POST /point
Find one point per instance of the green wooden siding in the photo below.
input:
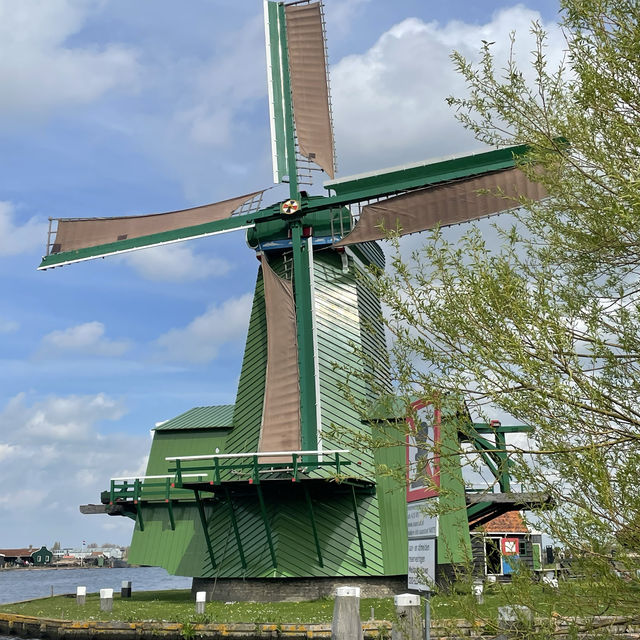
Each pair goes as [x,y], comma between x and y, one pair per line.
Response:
[393,511]
[345,309]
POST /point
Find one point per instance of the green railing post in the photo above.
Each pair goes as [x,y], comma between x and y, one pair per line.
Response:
[216,471]
[178,472]
[256,470]
[169,503]
[295,467]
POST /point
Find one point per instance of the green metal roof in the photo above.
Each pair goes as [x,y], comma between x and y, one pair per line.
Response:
[216,417]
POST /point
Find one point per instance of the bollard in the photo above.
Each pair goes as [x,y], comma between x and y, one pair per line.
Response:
[549,579]
[346,623]
[201,598]
[408,623]
[125,589]
[478,590]
[81,595]
[106,599]
[514,620]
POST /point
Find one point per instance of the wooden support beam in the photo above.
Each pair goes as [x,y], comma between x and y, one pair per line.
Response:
[267,527]
[357,519]
[205,527]
[307,496]
[236,530]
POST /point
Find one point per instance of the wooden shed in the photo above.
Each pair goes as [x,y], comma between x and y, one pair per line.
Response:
[503,543]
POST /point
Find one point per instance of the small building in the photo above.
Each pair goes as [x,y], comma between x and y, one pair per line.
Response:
[27,556]
[42,557]
[504,543]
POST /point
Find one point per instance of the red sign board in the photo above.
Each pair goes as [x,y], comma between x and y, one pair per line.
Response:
[423,463]
[510,546]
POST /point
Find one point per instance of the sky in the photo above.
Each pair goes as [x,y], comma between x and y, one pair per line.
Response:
[113,107]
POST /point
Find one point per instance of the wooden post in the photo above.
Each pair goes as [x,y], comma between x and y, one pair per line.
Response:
[346,623]
[81,595]
[408,623]
[125,589]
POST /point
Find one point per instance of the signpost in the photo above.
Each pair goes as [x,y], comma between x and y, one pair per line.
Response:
[423,475]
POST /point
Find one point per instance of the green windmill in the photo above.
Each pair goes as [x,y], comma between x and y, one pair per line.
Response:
[238,494]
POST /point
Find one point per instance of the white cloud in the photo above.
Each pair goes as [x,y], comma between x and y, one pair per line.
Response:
[54,458]
[175,263]
[389,103]
[223,85]
[40,70]
[6,450]
[201,339]
[84,339]
[55,419]
[19,237]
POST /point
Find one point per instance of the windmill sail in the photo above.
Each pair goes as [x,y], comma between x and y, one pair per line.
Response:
[82,233]
[280,428]
[297,73]
[443,205]
[309,84]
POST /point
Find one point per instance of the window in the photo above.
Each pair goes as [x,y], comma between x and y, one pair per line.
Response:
[525,549]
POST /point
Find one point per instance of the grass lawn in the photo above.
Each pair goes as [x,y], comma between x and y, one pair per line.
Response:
[573,598]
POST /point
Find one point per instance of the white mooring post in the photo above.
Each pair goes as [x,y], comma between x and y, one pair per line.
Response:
[106,599]
[408,623]
[81,595]
[201,598]
[346,624]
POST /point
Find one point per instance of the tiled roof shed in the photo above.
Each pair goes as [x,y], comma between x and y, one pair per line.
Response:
[510,522]
[214,417]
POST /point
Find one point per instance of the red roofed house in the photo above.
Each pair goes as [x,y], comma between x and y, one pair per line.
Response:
[503,542]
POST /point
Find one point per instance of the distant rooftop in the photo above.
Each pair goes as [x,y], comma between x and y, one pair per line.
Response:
[216,417]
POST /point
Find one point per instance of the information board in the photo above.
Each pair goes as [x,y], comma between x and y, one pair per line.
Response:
[422,564]
[419,523]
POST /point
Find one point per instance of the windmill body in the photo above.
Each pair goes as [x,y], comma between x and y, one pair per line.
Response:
[275,487]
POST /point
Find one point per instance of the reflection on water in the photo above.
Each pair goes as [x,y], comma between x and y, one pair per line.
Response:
[26,584]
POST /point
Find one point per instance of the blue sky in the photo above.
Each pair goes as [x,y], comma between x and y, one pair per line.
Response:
[113,107]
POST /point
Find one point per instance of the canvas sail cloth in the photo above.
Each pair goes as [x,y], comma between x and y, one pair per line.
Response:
[81,233]
[443,205]
[280,428]
[309,84]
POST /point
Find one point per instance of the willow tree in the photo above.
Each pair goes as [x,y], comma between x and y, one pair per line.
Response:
[545,326]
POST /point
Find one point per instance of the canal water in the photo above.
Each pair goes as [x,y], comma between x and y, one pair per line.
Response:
[26,584]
